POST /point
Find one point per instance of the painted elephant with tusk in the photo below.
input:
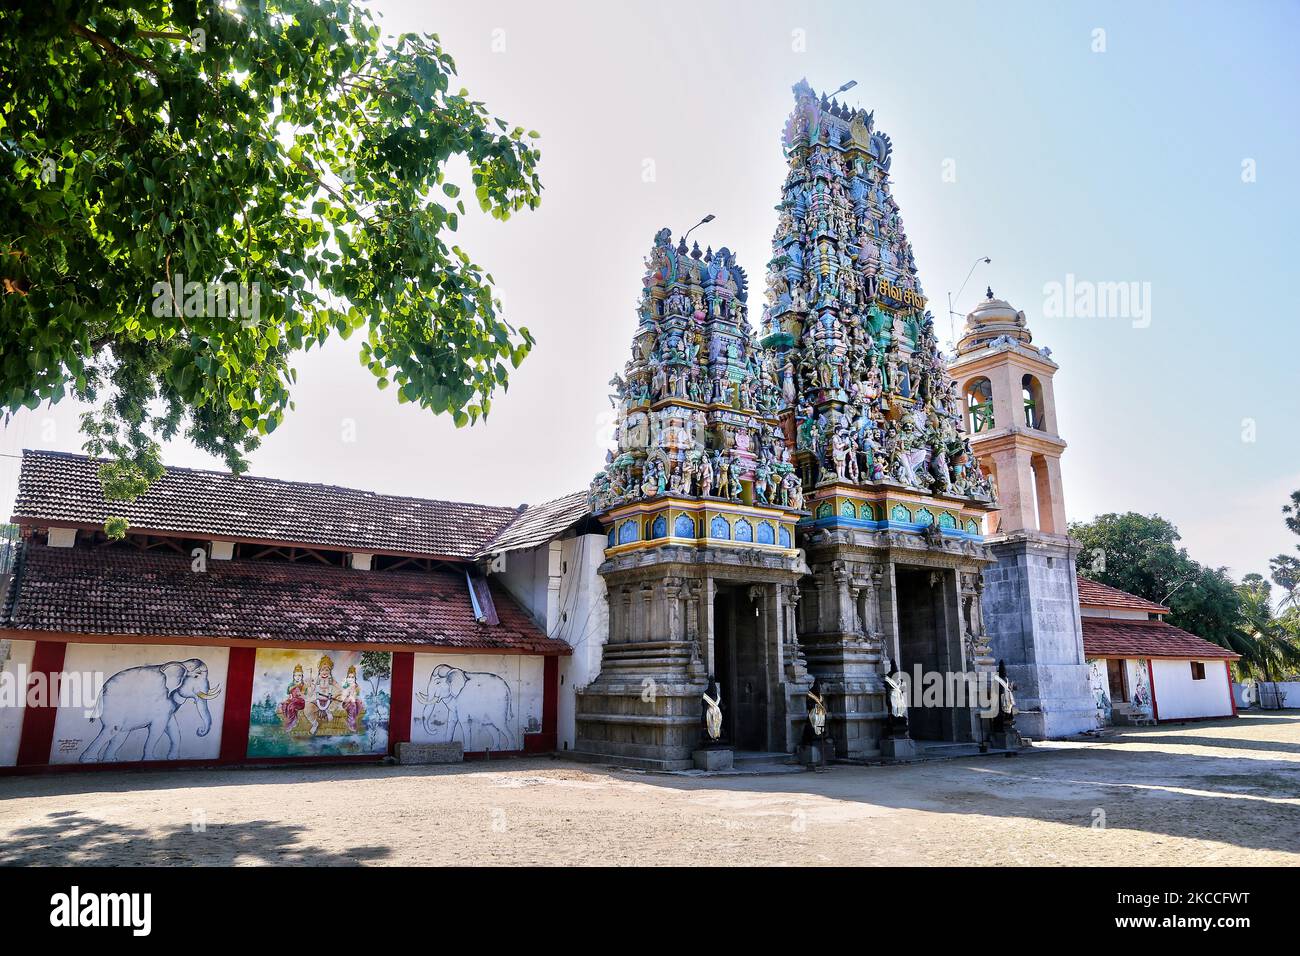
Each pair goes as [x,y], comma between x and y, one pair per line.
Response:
[147,698]
[470,706]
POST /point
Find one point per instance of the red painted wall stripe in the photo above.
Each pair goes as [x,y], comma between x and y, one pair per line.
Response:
[1151,673]
[38,722]
[399,701]
[239,702]
[548,739]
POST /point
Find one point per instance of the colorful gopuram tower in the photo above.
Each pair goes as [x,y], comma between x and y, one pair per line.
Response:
[896,498]
[801,507]
[701,500]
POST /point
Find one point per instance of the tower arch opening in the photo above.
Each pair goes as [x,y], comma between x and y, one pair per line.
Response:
[979,406]
[1032,392]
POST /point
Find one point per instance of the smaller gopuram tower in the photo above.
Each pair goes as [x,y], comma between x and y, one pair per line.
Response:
[1030,598]
[700,499]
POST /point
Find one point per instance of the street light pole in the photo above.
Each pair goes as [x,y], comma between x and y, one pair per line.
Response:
[1179,585]
[709,218]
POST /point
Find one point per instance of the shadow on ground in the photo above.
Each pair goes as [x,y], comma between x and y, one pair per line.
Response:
[69,838]
[1243,793]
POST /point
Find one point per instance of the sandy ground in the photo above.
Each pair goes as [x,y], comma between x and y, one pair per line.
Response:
[1224,792]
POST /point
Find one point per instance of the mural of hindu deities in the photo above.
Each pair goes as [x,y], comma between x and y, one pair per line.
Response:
[301,708]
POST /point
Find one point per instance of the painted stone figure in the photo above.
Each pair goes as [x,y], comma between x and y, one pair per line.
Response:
[711,387]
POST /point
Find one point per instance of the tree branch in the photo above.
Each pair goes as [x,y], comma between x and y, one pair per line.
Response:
[107,45]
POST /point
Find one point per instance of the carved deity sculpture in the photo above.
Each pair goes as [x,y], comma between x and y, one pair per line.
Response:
[713,711]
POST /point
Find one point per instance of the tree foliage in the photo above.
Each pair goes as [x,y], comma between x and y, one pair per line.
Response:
[1285,568]
[275,148]
[1139,554]
[1272,645]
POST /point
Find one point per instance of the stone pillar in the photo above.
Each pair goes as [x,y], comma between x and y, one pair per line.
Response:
[1031,613]
[710,589]
[1016,491]
[1055,494]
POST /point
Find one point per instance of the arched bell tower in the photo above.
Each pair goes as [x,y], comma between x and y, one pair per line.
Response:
[1006,388]
[1030,599]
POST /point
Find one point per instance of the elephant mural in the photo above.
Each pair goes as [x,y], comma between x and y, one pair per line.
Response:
[147,698]
[468,706]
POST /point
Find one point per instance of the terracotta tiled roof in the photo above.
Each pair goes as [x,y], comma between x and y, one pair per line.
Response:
[540,523]
[59,487]
[1095,594]
[124,591]
[1107,637]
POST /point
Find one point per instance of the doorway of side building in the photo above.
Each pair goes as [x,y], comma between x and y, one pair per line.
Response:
[740,664]
[927,638]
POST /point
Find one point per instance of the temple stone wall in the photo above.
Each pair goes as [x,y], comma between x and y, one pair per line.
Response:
[1031,612]
[645,707]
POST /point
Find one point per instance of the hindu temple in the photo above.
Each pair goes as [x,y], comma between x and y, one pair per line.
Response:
[796,504]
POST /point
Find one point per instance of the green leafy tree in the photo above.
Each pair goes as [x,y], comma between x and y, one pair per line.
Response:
[1139,554]
[195,193]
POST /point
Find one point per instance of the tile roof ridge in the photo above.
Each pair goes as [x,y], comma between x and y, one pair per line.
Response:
[41,452]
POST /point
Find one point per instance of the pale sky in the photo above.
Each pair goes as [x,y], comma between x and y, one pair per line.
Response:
[1122,164]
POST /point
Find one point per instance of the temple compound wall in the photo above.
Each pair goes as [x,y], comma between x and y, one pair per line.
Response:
[285,622]
[206,703]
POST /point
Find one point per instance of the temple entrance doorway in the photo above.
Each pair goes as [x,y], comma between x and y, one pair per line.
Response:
[926,639]
[740,665]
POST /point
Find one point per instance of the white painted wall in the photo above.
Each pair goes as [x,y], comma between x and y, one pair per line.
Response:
[1114,613]
[13,698]
[75,729]
[1290,691]
[1178,696]
[582,623]
[487,702]
[1246,695]
[560,586]
[527,578]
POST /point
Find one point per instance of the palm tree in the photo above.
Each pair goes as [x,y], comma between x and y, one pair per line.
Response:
[1269,645]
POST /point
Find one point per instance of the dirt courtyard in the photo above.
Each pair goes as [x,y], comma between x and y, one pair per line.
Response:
[1222,792]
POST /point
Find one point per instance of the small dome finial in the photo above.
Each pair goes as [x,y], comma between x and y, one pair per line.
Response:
[988,292]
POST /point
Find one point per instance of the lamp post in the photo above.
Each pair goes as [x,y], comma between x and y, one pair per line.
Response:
[709,218]
[952,315]
[1179,585]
